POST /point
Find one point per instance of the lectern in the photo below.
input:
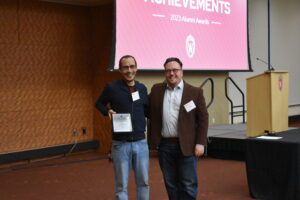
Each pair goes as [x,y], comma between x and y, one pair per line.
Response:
[267,103]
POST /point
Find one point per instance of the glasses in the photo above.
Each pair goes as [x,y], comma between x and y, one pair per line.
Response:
[168,71]
[127,67]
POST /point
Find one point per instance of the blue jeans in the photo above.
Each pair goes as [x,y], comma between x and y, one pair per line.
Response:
[127,155]
[179,171]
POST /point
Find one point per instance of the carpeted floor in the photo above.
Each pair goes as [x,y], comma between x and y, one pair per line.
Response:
[89,176]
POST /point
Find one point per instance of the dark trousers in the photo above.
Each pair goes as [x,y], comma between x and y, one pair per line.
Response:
[179,171]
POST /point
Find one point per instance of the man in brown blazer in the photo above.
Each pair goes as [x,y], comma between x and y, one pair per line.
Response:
[178,129]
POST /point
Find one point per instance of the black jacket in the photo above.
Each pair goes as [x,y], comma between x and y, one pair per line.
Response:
[118,95]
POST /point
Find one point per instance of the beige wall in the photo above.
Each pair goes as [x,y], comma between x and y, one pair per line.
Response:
[284,41]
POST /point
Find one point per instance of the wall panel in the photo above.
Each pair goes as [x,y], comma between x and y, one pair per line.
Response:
[46,85]
[102,18]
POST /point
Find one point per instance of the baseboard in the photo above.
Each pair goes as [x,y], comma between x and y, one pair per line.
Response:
[294,118]
[47,151]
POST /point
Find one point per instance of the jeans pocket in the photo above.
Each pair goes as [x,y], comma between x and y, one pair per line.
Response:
[116,147]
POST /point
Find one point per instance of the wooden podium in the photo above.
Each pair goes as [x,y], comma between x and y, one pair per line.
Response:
[267,103]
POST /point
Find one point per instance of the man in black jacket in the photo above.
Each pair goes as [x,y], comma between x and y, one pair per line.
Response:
[129,148]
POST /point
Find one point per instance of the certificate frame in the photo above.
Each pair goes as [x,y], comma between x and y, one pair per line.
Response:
[121,123]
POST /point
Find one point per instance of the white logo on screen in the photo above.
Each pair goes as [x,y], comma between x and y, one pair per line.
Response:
[190,45]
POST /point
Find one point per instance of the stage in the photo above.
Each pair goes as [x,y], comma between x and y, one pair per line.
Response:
[228,141]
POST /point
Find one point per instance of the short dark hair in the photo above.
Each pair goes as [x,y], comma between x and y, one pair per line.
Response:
[124,57]
[171,59]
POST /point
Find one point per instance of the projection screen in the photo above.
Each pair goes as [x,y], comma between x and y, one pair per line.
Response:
[208,35]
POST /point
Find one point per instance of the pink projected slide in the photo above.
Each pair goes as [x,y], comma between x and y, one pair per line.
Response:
[204,34]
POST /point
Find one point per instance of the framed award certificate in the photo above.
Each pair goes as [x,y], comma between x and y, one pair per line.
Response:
[121,122]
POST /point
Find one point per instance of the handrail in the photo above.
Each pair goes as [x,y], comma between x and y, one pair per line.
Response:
[231,103]
[212,90]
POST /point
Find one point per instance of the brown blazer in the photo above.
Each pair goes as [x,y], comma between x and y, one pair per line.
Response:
[192,126]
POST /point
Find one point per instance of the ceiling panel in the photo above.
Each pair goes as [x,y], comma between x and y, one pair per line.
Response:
[82,2]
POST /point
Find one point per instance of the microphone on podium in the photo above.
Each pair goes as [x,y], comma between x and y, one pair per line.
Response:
[271,67]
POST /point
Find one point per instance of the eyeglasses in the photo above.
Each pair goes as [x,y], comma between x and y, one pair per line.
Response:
[168,71]
[127,67]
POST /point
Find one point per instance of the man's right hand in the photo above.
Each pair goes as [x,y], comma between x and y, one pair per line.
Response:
[110,112]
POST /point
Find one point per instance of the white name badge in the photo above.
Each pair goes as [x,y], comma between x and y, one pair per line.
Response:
[135,96]
[189,106]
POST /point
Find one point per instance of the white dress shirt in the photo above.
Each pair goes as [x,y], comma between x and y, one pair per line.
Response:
[171,106]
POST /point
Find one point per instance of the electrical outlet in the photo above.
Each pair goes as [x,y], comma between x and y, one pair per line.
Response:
[75,132]
[83,130]
[213,120]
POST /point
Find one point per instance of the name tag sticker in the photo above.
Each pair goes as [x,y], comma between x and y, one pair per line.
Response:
[189,106]
[135,96]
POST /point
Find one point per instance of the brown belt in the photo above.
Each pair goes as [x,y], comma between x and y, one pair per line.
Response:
[171,139]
